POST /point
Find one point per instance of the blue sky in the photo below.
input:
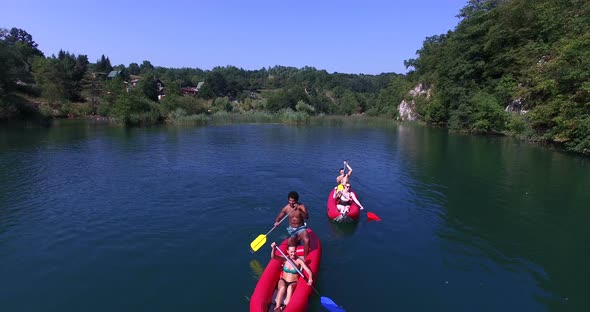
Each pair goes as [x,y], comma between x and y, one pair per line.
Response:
[368,37]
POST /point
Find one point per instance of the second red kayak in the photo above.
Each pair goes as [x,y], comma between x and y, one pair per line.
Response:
[333,213]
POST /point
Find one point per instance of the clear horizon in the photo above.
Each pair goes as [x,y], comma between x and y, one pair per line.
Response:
[336,36]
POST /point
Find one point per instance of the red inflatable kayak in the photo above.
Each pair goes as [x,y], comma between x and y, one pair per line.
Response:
[264,293]
[353,212]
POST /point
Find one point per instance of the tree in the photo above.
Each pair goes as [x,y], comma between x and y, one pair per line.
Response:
[145,67]
[7,69]
[17,35]
[149,87]
[505,51]
[348,103]
[389,97]
[217,83]
[133,109]
[49,79]
[24,50]
[81,67]
[303,107]
[279,100]
[103,65]
[133,69]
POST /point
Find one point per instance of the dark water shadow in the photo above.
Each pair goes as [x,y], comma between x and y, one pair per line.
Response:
[507,209]
[343,229]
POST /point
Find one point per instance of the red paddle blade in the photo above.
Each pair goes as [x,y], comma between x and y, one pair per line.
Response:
[373,217]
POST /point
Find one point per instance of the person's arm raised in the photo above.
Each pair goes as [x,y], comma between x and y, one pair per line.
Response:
[349,169]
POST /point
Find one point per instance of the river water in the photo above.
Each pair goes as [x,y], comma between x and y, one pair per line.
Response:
[95,217]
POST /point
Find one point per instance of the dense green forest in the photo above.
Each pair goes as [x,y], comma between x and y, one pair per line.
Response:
[531,57]
[67,84]
[514,67]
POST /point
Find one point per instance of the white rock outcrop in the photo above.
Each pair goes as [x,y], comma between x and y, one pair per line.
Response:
[516,107]
[407,109]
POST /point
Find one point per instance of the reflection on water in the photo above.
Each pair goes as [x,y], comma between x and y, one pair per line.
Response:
[515,208]
[257,269]
[343,229]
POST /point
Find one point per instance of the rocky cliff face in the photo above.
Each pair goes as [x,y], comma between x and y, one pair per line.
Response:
[407,109]
[516,107]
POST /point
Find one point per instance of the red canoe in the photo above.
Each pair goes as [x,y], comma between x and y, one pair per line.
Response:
[353,212]
[263,294]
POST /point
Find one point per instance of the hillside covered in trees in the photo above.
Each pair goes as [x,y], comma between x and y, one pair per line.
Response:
[68,84]
[530,58]
[513,67]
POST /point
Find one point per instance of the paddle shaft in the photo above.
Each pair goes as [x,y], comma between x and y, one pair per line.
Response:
[370,215]
[285,217]
[326,302]
[261,239]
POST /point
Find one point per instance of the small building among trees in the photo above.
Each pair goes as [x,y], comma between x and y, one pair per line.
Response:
[160,87]
[115,73]
[192,91]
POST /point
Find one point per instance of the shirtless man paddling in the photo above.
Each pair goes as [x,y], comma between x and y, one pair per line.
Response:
[297,216]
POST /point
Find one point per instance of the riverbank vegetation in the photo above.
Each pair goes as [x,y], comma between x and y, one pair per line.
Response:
[512,67]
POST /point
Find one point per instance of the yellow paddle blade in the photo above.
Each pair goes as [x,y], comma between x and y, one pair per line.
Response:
[258,242]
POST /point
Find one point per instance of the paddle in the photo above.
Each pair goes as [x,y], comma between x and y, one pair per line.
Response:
[261,239]
[326,302]
[372,217]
